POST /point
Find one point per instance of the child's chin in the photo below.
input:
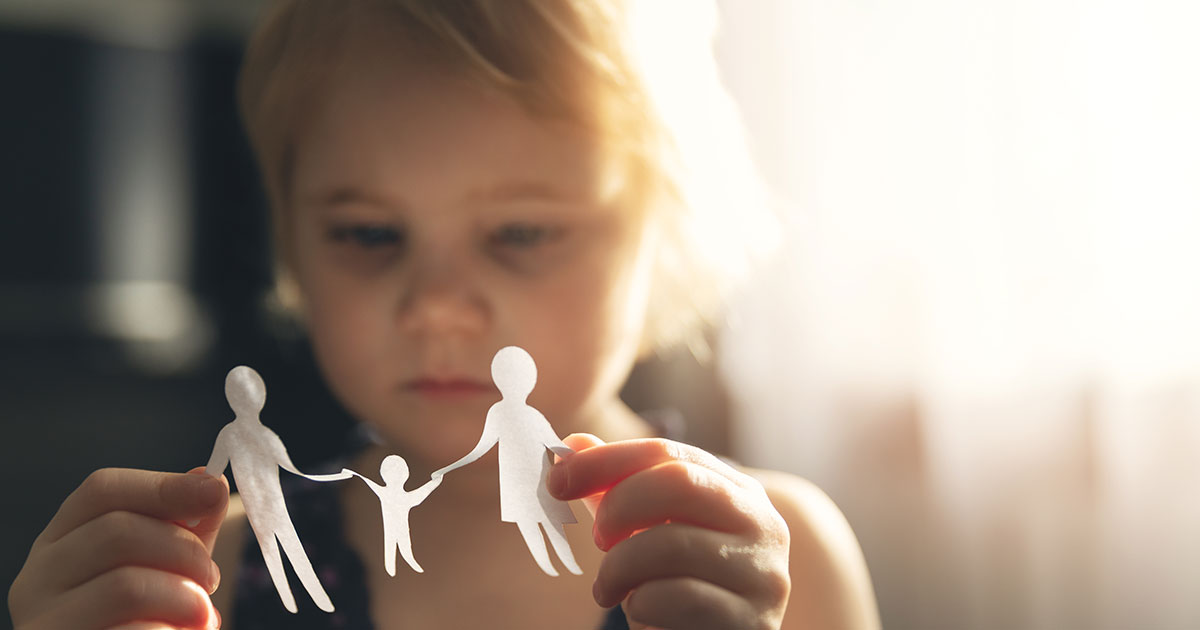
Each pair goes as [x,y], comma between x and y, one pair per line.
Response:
[438,439]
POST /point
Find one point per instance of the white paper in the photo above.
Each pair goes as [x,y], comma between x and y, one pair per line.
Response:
[256,454]
[396,502]
[526,442]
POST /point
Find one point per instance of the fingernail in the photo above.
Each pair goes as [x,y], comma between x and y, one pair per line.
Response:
[597,539]
[556,481]
[207,489]
[214,577]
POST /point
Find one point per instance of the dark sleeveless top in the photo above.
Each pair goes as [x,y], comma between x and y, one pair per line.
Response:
[316,513]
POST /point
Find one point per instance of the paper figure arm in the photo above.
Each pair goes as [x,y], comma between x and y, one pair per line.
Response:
[279,452]
[219,460]
[337,476]
[551,440]
[427,488]
[486,442]
[560,449]
[376,488]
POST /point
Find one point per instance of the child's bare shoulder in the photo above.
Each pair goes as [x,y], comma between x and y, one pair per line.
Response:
[829,573]
[227,553]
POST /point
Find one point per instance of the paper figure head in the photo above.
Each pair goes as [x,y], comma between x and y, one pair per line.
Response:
[245,390]
[514,372]
[394,470]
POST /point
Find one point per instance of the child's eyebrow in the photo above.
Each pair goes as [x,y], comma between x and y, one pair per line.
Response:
[519,190]
[502,192]
[346,195]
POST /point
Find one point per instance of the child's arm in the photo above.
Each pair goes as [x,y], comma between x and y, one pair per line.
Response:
[117,552]
[694,542]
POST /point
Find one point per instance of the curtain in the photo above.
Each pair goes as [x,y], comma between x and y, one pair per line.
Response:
[980,333]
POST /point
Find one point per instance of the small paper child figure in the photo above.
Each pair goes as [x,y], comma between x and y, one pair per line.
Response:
[256,454]
[524,435]
[396,502]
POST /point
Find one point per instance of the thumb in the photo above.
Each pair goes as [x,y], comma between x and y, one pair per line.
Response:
[207,525]
[582,442]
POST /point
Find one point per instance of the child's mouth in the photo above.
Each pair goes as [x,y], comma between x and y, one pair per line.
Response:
[449,388]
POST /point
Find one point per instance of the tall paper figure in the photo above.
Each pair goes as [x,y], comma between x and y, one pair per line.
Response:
[396,502]
[524,436]
[256,454]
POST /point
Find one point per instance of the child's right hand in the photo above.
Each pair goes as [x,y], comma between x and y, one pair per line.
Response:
[127,546]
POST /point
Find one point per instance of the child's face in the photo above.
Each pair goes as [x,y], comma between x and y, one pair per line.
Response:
[434,222]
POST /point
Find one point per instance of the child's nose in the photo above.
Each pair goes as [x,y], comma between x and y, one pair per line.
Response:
[442,299]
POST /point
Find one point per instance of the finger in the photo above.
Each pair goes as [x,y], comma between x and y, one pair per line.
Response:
[143,625]
[132,594]
[127,539]
[689,604]
[209,525]
[601,467]
[579,442]
[167,496]
[679,492]
[676,550]
[582,441]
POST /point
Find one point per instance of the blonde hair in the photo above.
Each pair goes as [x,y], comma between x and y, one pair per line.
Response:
[640,75]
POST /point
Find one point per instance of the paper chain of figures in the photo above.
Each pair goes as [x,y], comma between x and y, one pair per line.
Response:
[256,454]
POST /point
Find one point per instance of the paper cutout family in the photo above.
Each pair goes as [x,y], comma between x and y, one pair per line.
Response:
[523,435]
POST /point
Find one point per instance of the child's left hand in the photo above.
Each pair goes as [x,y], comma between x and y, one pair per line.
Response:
[692,542]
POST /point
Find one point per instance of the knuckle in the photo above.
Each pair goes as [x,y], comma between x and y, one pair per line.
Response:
[687,600]
[99,482]
[773,528]
[782,533]
[664,449]
[776,584]
[197,554]
[750,482]
[675,549]
[127,588]
[18,596]
[679,474]
[162,489]
[640,606]
[116,532]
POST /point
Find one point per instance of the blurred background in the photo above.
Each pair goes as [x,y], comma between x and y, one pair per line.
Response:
[978,337]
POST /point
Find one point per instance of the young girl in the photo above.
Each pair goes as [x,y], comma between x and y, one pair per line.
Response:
[449,178]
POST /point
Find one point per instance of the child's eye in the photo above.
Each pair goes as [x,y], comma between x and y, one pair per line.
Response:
[523,235]
[367,236]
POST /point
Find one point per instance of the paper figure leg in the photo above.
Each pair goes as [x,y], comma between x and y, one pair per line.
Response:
[558,538]
[389,556]
[537,546]
[308,577]
[270,552]
[405,544]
